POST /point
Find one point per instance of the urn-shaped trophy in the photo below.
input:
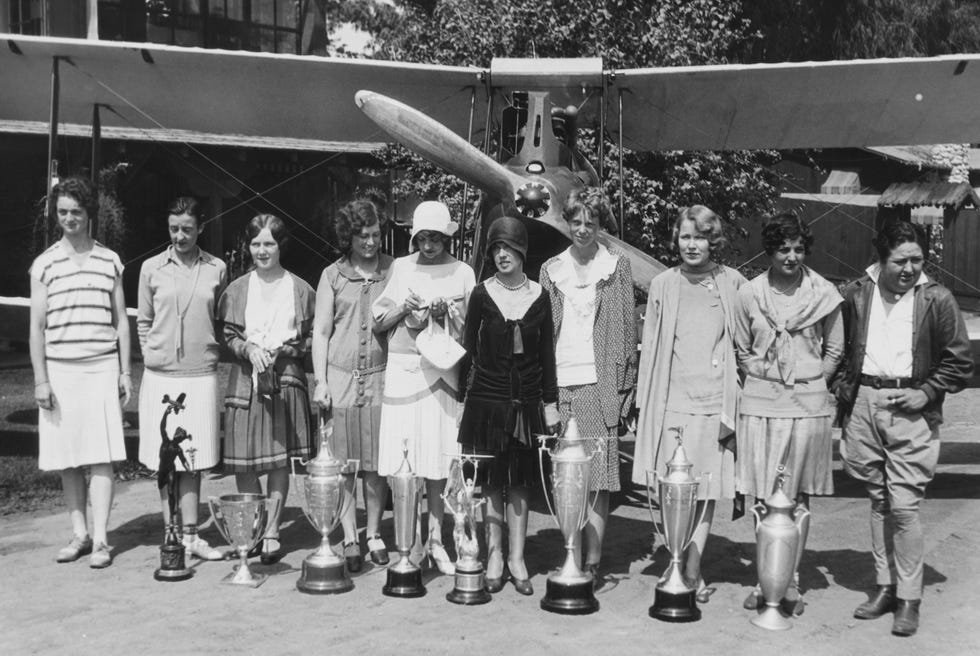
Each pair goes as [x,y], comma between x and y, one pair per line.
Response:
[677,495]
[404,577]
[569,590]
[325,500]
[470,582]
[242,520]
[778,536]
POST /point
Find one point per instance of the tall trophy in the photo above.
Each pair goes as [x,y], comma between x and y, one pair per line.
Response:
[404,577]
[569,591]
[172,553]
[779,526]
[242,520]
[470,581]
[326,500]
[677,495]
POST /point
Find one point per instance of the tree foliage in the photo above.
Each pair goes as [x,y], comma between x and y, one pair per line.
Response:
[626,35]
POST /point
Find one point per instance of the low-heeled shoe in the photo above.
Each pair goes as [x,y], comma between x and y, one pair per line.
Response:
[523,586]
[906,621]
[271,556]
[353,557]
[881,603]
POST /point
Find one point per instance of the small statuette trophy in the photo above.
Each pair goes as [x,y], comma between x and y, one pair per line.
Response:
[326,501]
[779,529]
[242,520]
[677,495]
[470,584]
[172,552]
[569,591]
[404,577]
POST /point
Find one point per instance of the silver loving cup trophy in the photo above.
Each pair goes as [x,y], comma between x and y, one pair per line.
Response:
[242,520]
[780,532]
[404,577]
[470,581]
[677,495]
[569,590]
[325,501]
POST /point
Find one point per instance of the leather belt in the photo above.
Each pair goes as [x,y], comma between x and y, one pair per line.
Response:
[881,382]
[364,373]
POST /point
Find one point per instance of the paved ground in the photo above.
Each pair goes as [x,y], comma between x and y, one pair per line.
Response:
[72,609]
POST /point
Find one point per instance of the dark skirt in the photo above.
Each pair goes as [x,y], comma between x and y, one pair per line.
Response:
[508,432]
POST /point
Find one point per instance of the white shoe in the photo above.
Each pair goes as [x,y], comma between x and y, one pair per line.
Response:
[199,548]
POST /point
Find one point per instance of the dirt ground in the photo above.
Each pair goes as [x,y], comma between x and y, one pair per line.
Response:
[51,608]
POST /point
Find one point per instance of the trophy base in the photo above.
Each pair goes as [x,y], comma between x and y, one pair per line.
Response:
[576,598]
[675,606]
[324,579]
[172,564]
[243,576]
[771,619]
[470,588]
[406,584]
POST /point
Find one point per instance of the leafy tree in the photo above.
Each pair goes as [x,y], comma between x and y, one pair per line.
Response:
[626,35]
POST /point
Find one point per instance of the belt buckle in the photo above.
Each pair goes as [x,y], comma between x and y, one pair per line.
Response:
[876,382]
[357,374]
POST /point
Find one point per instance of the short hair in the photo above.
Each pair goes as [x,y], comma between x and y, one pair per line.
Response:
[447,240]
[593,201]
[187,205]
[895,233]
[79,189]
[783,227]
[276,226]
[707,224]
[353,217]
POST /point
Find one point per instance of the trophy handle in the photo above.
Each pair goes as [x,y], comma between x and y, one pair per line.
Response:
[652,489]
[759,512]
[353,466]
[544,484]
[272,505]
[705,477]
[598,444]
[219,519]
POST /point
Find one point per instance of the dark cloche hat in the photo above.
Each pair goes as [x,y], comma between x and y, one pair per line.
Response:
[510,231]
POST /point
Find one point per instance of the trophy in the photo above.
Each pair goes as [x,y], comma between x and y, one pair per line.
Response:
[470,582]
[242,520]
[677,495]
[172,552]
[779,528]
[569,590]
[326,501]
[404,577]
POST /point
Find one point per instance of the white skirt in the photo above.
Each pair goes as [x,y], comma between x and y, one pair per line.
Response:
[85,425]
[199,418]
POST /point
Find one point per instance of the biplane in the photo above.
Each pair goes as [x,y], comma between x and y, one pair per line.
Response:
[189,95]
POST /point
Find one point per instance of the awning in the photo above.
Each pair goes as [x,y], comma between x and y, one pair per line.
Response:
[936,194]
[841,182]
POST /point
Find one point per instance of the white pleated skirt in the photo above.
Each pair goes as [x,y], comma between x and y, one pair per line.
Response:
[199,418]
[85,425]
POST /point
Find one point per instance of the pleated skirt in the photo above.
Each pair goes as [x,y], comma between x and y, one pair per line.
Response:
[270,431]
[700,439]
[803,445]
[355,435]
[199,418]
[427,420]
[583,403]
[85,425]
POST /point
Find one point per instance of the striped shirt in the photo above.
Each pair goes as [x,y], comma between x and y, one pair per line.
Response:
[79,323]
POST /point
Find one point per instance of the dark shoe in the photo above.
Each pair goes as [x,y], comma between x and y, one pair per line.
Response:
[881,603]
[495,585]
[754,600]
[353,557]
[523,586]
[906,621]
[272,551]
[792,604]
[593,569]
[704,592]
[377,550]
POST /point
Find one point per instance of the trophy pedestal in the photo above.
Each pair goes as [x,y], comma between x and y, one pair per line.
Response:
[324,577]
[244,576]
[404,582]
[570,597]
[675,606]
[470,587]
[771,619]
[172,567]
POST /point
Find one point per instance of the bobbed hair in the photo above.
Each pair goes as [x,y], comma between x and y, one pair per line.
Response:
[79,189]
[706,223]
[187,205]
[783,227]
[276,226]
[593,201]
[352,218]
[895,233]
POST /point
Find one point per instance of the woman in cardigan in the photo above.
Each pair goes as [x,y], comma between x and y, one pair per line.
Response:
[591,290]
[688,383]
[178,299]
[790,339]
[267,315]
[512,397]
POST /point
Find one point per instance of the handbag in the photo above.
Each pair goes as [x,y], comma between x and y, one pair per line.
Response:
[268,381]
[437,345]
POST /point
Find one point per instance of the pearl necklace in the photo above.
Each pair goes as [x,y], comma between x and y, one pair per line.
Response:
[515,288]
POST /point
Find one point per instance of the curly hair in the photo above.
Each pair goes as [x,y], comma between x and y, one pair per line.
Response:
[353,217]
[895,233]
[276,226]
[187,205]
[593,201]
[783,227]
[79,189]
[706,223]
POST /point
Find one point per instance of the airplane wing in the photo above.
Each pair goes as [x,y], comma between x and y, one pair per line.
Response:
[220,97]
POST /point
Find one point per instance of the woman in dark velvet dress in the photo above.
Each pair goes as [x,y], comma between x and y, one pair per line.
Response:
[512,394]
